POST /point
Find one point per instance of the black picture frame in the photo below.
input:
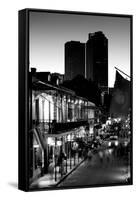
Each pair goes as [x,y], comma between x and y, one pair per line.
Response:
[25,113]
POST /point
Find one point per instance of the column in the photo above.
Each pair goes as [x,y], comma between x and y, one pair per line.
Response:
[55,107]
[73,110]
[70,151]
[84,116]
[66,109]
[37,111]
[49,117]
[61,99]
[55,158]
[59,108]
[43,113]
[78,109]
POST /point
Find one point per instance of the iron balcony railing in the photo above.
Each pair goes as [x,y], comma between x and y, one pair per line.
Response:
[57,127]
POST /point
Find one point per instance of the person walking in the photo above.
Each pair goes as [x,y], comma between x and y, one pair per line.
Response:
[61,163]
[101,155]
[51,168]
[89,155]
[84,153]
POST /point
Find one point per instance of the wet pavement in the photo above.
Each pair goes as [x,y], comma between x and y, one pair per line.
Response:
[105,168]
[48,180]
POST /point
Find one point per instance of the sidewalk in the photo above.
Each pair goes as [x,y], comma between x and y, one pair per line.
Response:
[96,171]
[48,180]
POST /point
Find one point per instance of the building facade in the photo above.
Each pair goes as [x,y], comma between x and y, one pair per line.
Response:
[74,59]
[97,59]
[61,123]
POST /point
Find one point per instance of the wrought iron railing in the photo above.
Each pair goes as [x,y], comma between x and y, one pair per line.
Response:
[57,127]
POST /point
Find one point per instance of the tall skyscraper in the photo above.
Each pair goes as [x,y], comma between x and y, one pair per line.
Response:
[97,59]
[74,59]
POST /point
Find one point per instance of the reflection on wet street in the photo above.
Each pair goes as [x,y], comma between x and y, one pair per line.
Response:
[106,166]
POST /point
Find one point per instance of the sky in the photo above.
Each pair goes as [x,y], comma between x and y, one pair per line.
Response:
[50,31]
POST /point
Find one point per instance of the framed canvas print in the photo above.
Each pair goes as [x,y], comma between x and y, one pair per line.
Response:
[75,99]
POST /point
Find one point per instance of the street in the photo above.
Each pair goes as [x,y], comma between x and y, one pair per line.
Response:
[105,169]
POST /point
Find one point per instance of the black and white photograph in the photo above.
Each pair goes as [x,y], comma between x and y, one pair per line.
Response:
[79,109]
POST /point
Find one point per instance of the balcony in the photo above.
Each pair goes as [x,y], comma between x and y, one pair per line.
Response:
[59,127]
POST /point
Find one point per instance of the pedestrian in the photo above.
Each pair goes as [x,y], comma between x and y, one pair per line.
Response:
[61,162]
[79,152]
[101,156]
[51,168]
[84,153]
[89,155]
[107,156]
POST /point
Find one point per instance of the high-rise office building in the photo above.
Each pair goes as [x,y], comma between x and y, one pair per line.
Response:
[97,59]
[74,59]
